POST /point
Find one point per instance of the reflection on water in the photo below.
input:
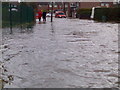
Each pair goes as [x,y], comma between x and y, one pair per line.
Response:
[52,27]
[27,28]
[39,22]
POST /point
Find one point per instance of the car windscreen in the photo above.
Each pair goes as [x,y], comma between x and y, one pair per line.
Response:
[61,14]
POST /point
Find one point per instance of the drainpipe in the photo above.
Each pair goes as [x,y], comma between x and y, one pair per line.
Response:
[69,9]
[64,7]
[48,7]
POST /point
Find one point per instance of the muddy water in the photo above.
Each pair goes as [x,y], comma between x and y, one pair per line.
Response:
[66,53]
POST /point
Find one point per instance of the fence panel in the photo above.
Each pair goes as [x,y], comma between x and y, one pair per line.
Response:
[20,14]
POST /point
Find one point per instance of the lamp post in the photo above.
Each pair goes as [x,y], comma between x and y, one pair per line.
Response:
[52,13]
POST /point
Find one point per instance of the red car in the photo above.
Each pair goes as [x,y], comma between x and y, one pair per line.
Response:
[60,15]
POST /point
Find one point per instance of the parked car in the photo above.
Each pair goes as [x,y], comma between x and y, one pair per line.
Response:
[59,10]
[49,14]
[60,15]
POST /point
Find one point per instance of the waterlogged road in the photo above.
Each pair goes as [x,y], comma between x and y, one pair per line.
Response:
[66,53]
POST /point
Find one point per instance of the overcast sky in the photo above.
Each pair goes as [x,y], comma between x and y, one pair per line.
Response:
[62,0]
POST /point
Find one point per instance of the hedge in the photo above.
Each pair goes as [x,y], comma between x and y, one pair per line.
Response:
[107,14]
[84,13]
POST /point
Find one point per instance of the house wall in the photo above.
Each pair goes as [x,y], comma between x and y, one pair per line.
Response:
[47,7]
[89,4]
[110,4]
[94,4]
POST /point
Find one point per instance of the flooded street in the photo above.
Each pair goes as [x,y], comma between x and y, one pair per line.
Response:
[67,53]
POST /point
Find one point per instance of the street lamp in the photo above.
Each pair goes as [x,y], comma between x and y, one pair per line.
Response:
[52,12]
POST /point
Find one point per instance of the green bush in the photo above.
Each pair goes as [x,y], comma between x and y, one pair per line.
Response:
[84,13]
[107,14]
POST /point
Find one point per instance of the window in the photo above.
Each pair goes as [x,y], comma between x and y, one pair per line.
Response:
[50,5]
[61,14]
[15,5]
[66,5]
[55,5]
[102,4]
[107,5]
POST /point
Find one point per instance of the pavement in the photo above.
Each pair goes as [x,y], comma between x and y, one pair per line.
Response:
[67,53]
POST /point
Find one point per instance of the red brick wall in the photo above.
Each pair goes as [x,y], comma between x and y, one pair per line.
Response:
[110,3]
[89,4]
[93,4]
[46,7]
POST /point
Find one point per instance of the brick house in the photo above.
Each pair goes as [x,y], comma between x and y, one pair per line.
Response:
[60,5]
[70,7]
[48,6]
[95,4]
